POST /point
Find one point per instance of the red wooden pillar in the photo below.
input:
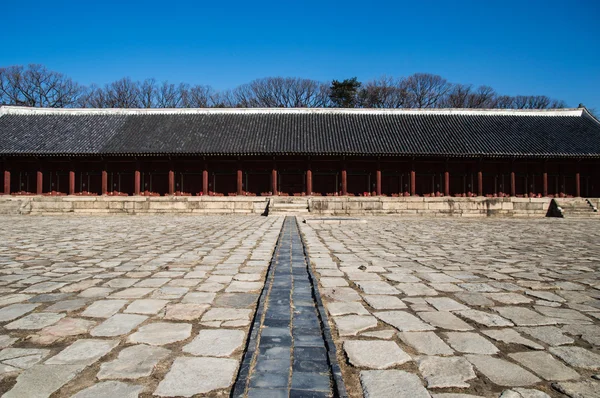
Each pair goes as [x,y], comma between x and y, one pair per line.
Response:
[6,182]
[240,178]
[577,182]
[513,184]
[205,180]
[171,181]
[378,179]
[71,182]
[344,180]
[309,185]
[39,183]
[479,179]
[274,179]
[104,182]
[446,182]
[545,181]
[413,179]
[136,181]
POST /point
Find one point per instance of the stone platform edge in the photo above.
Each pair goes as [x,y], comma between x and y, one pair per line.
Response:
[330,206]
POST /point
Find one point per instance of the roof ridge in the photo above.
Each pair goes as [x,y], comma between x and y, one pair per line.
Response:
[19,110]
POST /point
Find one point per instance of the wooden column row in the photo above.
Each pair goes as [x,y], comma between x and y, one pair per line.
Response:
[309,180]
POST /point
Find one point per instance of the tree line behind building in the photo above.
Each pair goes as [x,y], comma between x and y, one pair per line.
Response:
[36,86]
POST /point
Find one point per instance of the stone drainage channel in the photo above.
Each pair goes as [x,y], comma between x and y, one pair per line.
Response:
[290,352]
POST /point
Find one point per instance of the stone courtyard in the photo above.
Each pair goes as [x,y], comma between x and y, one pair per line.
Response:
[117,306]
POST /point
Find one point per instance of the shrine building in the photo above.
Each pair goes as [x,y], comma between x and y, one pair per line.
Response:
[300,152]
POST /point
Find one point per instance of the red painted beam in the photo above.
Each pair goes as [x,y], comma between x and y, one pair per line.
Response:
[577,184]
[309,184]
[378,179]
[413,182]
[344,181]
[479,183]
[39,183]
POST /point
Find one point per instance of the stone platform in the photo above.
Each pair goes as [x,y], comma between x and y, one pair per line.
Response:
[279,205]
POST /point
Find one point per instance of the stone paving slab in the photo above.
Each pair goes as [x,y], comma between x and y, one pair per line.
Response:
[482,308]
[128,306]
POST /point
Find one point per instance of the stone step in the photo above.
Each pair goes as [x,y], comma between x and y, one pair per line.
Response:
[290,205]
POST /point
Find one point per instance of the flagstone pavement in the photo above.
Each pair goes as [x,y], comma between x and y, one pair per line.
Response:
[163,305]
[460,308]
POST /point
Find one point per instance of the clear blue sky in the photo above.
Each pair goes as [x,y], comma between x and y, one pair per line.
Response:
[518,47]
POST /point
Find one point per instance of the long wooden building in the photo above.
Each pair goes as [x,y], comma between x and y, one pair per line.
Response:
[399,152]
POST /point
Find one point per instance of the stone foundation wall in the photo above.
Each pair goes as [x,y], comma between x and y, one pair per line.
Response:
[339,206]
[438,207]
[131,205]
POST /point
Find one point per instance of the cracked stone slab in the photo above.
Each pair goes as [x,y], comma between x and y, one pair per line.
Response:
[484,318]
[185,312]
[550,335]
[336,308]
[226,314]
[21,358]
[523,393]
[216,343]
[351,325]
[111,389]
[35,321]
[15,311]
[581,389]
[190,376]
[577,356]
[444,320]
[376,287]
[511,336]
[375,354]
[41,381]
[446,372]
[83,352]
[383,302]
[133,362]
[104,308]
[446,304]
[118,325]
[146,306]
[161,333]
[403,321]
[391,384]
[471,343]
[427,343]
[524,316]
[545,366]
[502,372]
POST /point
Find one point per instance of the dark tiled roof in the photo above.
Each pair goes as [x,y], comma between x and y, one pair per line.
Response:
[563,133]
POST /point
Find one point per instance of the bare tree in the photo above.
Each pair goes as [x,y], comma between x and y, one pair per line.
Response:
[36,86]
[463,96]
[385,92]
[425,90]
[123,93]
[200,97]
[278,92]
[147,93]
